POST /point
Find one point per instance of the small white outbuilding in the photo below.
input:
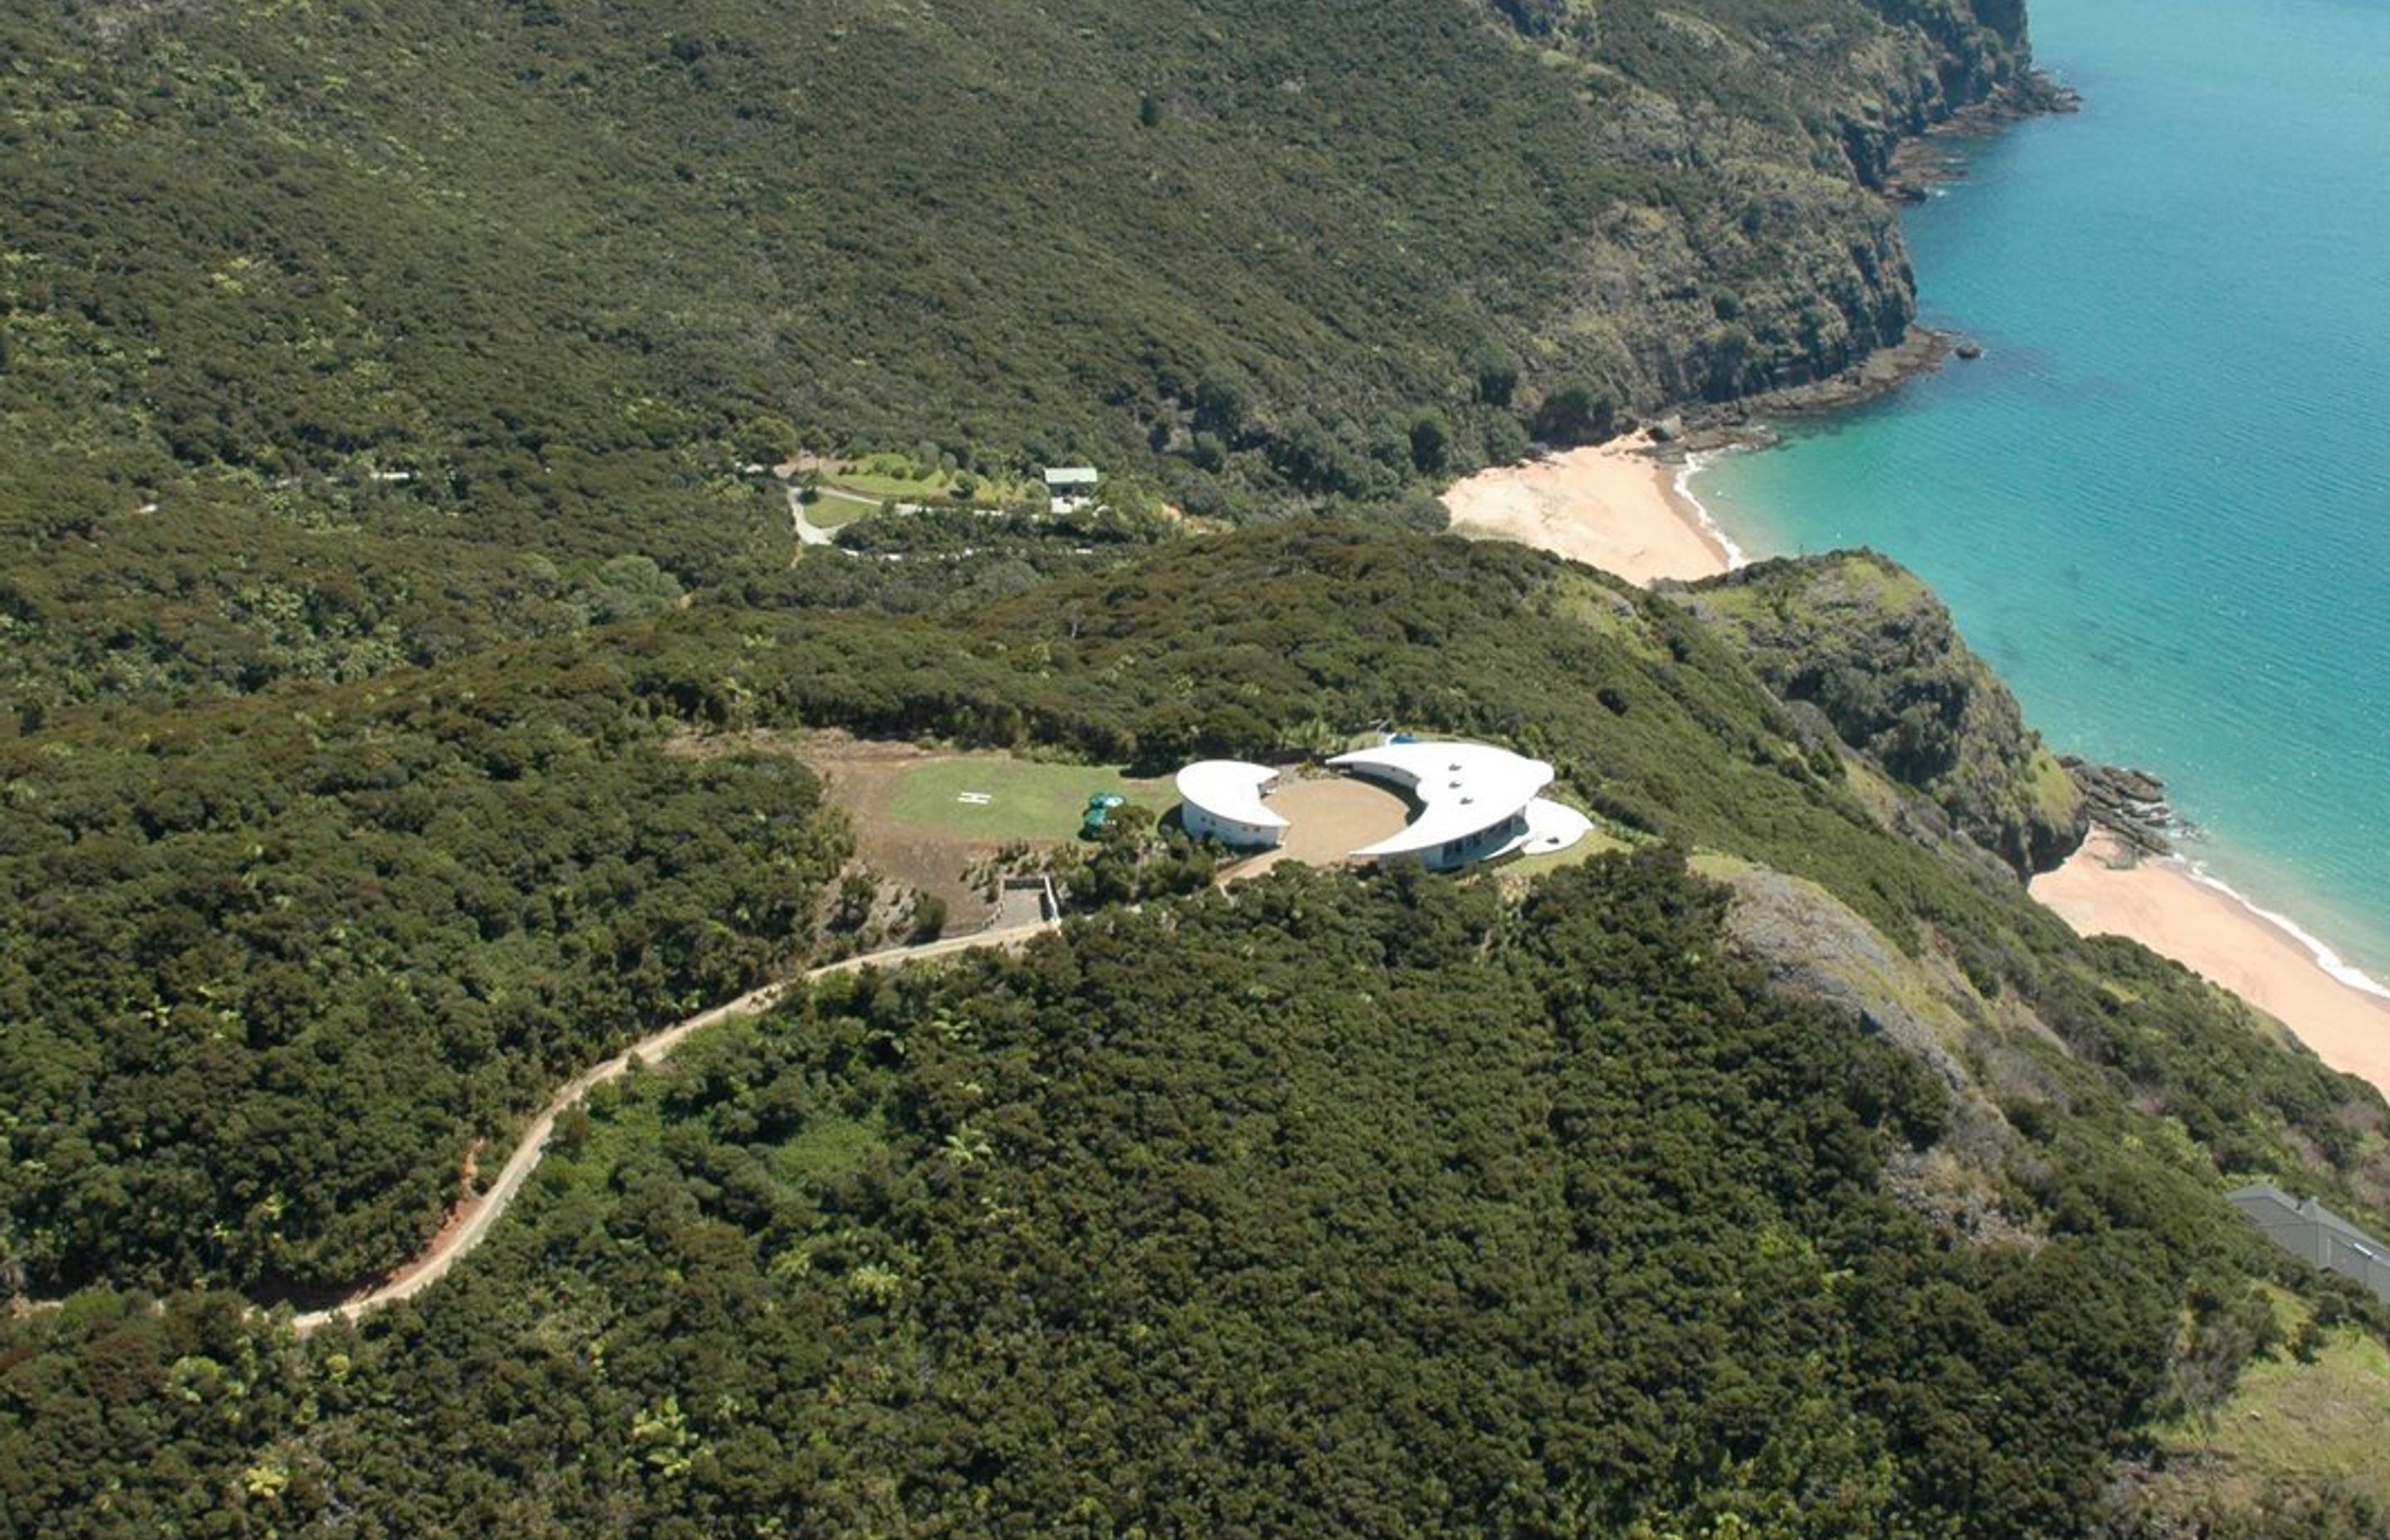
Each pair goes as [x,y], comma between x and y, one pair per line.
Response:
[1070,487]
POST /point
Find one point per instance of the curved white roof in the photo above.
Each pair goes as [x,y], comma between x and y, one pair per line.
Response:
[1551,827]
[1231,790]
[1463,789]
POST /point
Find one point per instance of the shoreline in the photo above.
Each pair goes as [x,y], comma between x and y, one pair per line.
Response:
[2266,959]
[1590,505]
[1612,505]
[1919,165]
[1627,506]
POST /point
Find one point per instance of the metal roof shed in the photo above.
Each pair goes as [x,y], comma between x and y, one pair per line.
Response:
[2309,1230]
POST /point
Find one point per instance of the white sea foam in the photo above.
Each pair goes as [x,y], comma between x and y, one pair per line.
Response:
[2325,957]
[1694,464]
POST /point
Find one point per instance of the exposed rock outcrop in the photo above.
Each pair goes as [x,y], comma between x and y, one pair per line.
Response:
[1866,643]
[1816,949]
[2128,803]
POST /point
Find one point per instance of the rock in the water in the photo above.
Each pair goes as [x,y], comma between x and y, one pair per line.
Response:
[1968,351]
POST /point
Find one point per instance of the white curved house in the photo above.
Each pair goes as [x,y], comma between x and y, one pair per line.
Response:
[1222,800]
[1475,803]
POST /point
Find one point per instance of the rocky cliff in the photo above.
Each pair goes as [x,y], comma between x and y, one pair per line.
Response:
[1861,640]
[1792,270]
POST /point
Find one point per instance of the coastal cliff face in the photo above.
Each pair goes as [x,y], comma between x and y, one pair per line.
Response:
[1863,641]
[1795,270]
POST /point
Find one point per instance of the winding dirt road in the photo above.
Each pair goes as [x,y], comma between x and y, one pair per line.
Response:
[481,1213]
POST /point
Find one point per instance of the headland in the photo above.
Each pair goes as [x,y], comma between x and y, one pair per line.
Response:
[1626,508]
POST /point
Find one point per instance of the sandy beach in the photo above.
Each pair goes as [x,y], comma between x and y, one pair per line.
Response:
[1609,507]
[1616,508]
[2159,904]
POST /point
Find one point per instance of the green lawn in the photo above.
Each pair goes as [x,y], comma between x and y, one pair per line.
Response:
[834,510]
[1597,841]
[904,489]
[2319,1424]
[1026,800]
[883,476]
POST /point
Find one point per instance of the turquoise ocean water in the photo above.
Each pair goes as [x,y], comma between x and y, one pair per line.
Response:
[2160,504]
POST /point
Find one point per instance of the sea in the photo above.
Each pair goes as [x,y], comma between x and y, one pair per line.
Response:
[2160,503]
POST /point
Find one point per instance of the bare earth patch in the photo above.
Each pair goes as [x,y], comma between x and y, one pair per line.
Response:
[864,777]
[1332,817]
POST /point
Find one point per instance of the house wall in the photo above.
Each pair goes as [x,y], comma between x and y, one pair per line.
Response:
[1454,854]
[2369,1268]
[1203,823]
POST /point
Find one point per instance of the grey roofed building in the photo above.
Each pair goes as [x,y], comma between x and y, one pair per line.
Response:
[2306,1228]
[1069,487]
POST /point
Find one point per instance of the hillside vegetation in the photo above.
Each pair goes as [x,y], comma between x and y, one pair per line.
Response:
[334,337]
[265,981]
[1389,1207]
[969,1240]
[1865,644]
[1384,1209]
[406,680]
[1651,721]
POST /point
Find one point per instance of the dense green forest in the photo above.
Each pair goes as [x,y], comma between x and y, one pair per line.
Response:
[2068,1132]
[335,338]
[405,684]
[1389,1208]
[267,974]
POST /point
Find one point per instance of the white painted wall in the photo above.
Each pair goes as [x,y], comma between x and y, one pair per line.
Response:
[1203,825]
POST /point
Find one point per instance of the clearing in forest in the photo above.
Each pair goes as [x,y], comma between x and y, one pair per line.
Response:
[919,817]
[995,797]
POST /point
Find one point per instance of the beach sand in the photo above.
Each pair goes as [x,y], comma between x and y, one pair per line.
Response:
[1609,507]
[1614,507]
[2214,935]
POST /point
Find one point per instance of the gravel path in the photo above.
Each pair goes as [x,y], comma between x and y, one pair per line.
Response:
[477,1218]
